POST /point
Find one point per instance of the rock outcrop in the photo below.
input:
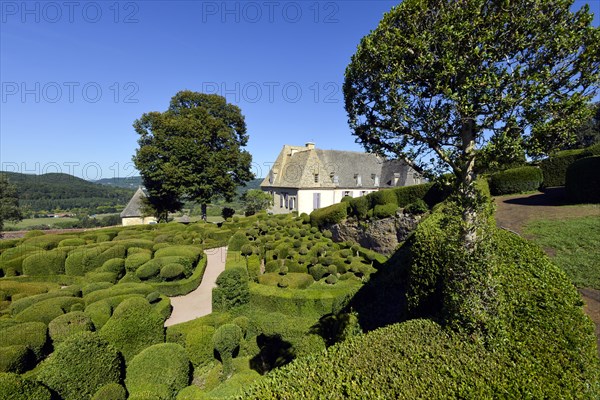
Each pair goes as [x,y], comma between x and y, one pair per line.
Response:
[381,235]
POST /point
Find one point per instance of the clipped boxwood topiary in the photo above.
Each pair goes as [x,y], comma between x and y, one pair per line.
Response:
[81,365]
[15,387]
[385,210]
[331,215]
[555,167]
[199,345]
[17,358]
[137,259]
[69,324]
[32,335]
[172,271]
[164,364]
[226,341]
[515,180]
[50,262]
[583,180]
[237,241]
[133,326]
[232,289]
[111,391]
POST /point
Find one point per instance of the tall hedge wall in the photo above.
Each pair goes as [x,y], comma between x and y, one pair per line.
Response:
[583,180]
[516,180]
[554,168]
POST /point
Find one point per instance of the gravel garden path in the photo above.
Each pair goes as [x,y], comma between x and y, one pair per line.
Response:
[513,212]
[199,302]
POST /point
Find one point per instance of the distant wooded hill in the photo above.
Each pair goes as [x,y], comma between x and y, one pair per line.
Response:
[50,192]
[55,191]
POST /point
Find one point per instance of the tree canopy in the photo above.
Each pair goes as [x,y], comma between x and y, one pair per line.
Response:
[438,80]
[256,200]
[9,203]
[193,151]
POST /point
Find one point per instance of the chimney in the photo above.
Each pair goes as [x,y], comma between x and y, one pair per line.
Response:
[310,145]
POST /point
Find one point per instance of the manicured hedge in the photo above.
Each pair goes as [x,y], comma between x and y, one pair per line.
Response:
[45,263]
[164,364]
[583,180]
[515,180]
[193,253]
[17,358]
[300,302]
[232,289]
[385,210]
[199,345]
[118,290]
[134,326]
[136,260]
[80,366]
[237,241]
[182,286]
[226,340]
[294,280]
[64,326]
[33,335]
[554,168]
[15,387]
[381,197]
[46,310]
[331,215]
[111,391]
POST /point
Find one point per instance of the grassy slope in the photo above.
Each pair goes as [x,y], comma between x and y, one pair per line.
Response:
[573,245]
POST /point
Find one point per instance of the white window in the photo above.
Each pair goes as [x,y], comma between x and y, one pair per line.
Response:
[347,193]
[292,203]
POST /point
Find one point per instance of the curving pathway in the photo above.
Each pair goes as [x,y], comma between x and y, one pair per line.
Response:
[199,302]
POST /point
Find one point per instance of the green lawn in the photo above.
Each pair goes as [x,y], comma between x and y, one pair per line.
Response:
[574,245]
[29,222]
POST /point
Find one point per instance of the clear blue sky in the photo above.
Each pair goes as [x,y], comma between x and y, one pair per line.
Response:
[75,75]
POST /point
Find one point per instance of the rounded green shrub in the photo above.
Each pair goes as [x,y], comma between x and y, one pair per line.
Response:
[134,326]
[192,392]
[69,324]
[583,180]
[46,310]
[243,322]
[199,345]
[161,364]
[331,279]
[136,260]
[15,387]
[331,215]
[50,262]
[32,335]
[148,270]
[232,289]
[226,340]
[554,168]
[111,391]
[237,241]
[382,197]
[417,207]
[172,271]
[71,242]
[318,271]
[99,312]
[115,265]
[92,287]
[515,180]
[153,297]
[17,358]
[385,210]
[81,365]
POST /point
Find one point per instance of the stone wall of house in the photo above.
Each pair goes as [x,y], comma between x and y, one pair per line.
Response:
[382,236]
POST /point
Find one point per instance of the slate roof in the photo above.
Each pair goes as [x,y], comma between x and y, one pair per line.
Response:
[296,167]
[134,207]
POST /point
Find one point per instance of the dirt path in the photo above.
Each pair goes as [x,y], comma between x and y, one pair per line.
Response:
[515,211]
[199,302]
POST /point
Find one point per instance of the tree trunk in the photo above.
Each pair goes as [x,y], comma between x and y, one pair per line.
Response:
[466,189]
[203,210]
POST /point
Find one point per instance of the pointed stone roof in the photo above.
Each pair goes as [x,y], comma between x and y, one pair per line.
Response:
[306,167]
[134,207]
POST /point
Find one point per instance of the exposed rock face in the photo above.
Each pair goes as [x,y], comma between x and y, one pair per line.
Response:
[381,235]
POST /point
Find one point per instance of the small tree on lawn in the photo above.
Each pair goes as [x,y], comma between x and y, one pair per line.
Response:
[192,151]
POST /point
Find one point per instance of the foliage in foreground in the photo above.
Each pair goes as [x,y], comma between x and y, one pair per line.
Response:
[548,348]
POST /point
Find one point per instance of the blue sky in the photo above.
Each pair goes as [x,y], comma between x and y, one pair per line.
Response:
[75,75]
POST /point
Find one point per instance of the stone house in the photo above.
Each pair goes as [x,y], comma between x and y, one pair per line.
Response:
[305,178]
[132,214]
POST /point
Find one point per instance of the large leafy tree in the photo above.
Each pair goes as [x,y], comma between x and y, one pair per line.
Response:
[193,151]
[9,203]
[440,79]
[588,133]
[255,200]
